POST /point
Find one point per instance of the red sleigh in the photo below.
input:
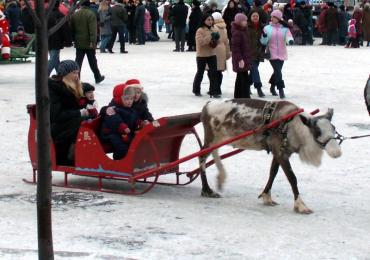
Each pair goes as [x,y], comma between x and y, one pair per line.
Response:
[151,148]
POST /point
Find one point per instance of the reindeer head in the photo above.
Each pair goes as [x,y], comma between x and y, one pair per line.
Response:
[323,132]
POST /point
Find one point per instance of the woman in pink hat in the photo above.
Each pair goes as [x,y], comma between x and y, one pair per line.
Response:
[275,36]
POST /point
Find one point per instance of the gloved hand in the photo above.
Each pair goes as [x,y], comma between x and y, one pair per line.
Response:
[264,34]
[93,112]
[215,36]
[291,42]
[82,102]
[123,129]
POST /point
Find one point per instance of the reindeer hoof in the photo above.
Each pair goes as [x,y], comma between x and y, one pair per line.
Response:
[210,194]
[300,207]
[267,200]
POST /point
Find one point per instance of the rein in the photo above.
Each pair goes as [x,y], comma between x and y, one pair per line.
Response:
[341,138]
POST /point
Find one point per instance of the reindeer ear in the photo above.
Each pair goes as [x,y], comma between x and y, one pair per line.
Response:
[329,114]
[305,120]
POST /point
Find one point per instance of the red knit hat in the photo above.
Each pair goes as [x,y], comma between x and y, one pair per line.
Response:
[134,83]
[121,90]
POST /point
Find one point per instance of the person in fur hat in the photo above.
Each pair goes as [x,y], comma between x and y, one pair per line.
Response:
[119,121]
[140,104]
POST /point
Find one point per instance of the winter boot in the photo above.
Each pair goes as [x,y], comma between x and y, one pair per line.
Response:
[281,93]
[273,91]
[258,86]
[280,85]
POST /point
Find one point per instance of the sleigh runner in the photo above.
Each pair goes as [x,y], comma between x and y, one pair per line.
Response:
[155,151]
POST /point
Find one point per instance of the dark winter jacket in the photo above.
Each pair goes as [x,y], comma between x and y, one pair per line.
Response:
[228,17]
[27,21]
[65,115]
[154,14]
[240,48]
[343,23]
[13,14]
[141,108]
[125,117]
[332,19]
[62,37]
[195,19]
[300,20]
[118,15]
[139,15]
[131,16]
[257,49]
[179,13]
[84,28]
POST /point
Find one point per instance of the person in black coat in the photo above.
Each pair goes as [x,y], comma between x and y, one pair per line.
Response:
[119,121]
[131,8]
[228,16]
[26,19]
[179,13]
[139,22]
[58,40]
[195,20]
[65,91]
[154,16]
[301,21]
[13,14]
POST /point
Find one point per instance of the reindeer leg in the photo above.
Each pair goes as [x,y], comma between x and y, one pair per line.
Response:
[206,190]
[299,205]
[266,194]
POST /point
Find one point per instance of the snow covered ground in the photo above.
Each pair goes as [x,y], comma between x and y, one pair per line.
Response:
[176,222]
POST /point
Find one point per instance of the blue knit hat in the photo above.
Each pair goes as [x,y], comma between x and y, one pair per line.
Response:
[67,66]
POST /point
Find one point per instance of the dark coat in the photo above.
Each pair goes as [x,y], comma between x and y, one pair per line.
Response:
[228,17]
[62,37]
[332,19]
[240,48]
[118,15]
[126,116]
[65,115]
[300,19]
[257,49]
[141,108]
[154,14]
[179,13]
[13,14]
[139,15]
[195,20]
[84,28]
[131,9]
[27,21]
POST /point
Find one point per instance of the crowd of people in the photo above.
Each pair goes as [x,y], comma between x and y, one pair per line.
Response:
[248,34]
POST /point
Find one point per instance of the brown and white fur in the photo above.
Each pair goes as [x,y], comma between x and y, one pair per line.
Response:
[305,134]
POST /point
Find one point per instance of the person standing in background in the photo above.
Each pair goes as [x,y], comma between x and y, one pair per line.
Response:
[83,25]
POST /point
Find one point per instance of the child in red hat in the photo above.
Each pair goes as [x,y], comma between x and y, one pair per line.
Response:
[119,120]
[140,104]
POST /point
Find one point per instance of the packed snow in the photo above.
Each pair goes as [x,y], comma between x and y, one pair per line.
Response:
[176,222]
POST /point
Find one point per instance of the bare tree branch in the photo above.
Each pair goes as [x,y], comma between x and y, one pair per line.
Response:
[35,19]
[50,8]
[64,20]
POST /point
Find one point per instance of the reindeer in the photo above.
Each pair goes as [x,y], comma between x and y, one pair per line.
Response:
[304,134]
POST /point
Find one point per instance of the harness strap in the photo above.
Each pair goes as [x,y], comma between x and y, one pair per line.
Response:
[268,111]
